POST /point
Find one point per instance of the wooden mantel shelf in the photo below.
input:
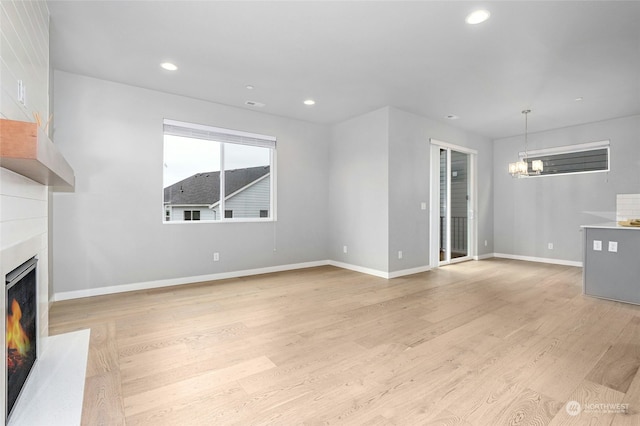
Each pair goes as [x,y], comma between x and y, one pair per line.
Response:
[26,149]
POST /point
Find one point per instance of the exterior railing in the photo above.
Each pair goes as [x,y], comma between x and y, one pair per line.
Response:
[458,233]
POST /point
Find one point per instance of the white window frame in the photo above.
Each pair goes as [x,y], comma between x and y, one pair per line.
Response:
[569,149]
[200,131]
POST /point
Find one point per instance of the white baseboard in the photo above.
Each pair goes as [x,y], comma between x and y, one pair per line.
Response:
[410,271]
[77,294]
[484,256]
[539,259]
[357,268]
[147,285]
[377,273]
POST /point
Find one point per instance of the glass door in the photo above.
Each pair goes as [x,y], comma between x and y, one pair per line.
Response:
[458,212]
[454,212]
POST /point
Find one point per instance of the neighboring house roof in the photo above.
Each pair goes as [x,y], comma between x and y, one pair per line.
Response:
[204,188]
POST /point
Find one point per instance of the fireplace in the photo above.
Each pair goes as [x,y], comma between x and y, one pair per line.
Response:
[21,329]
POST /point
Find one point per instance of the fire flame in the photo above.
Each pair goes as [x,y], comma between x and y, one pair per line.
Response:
[16,337]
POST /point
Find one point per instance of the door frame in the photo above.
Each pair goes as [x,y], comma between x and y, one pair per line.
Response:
[434,210]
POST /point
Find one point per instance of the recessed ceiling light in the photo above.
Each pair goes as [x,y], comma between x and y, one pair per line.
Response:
[477,17]
[255,104]
[309,102]
[169,66]
[452,117]
[249,87]
[579,99]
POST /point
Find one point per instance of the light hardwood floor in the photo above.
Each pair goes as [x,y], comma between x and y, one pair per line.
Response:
[495,342]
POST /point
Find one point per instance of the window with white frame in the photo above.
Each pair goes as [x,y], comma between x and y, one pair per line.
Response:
[581,158]
[222,174]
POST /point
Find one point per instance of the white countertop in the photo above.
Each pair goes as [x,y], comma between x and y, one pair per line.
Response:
[611,225]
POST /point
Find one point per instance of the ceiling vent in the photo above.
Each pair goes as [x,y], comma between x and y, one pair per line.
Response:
[254,104]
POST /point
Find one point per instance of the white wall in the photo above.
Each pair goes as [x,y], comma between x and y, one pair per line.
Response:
[24,43]
[532,212]
[112,135]
[25,56]
[409,178]
[358,183]
[408,188]
[379,176]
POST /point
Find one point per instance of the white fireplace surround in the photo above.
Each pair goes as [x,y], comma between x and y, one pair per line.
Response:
[52,382]
[54,390]
[12,257]
[24,203]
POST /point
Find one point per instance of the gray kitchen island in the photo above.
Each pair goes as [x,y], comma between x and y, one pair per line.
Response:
[611,262]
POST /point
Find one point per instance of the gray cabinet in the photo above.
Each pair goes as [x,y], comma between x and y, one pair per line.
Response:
[613,272]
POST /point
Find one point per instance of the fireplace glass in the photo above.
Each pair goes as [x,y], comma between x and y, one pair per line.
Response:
[20,328]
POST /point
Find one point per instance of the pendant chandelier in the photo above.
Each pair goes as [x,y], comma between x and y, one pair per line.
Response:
[521,167]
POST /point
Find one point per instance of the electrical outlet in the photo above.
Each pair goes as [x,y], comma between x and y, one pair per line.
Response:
[344,249]
[597,245]
[550,246]
[216,256]
[400,254]
[485,243]
[613,246]
[423,206]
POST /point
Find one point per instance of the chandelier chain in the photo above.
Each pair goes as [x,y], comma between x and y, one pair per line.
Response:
[520,168]
[526,132]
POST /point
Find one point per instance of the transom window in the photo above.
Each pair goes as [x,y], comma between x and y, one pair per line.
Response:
[582,158]
[215,174]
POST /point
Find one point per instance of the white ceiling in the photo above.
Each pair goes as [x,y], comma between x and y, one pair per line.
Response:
[354,57]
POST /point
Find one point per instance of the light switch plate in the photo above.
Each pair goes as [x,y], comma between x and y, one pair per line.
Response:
[613,246]
[597,245]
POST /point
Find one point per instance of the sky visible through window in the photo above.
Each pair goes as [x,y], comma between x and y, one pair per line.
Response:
[184,157]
